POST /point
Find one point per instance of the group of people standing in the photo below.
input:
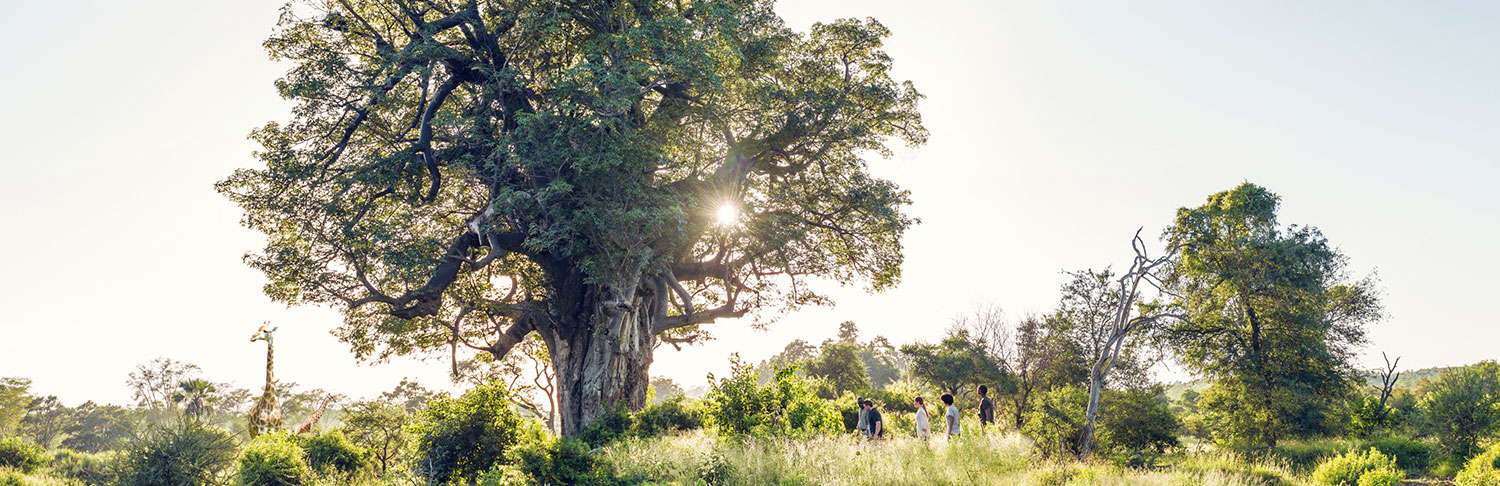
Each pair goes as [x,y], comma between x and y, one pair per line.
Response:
[872,426]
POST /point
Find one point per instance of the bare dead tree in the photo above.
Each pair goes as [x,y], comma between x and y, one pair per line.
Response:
[1126,321]
[1388,378]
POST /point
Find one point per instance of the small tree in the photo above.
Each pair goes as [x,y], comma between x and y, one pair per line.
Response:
[960,362]
[839,363]
[380,428]
[1388,379]
[458,439]
[1462,407]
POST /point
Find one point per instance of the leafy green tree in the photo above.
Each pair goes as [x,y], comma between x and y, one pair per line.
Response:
[195,396]
[185,453]
[848,331]
[1043,357]
[797,352]
[1272,317]
[839,363]
[1462,407]
[15,401]
[380,428]
[155,382]
[740,406]
[882,361]
[666,390]
[47,419]
[330,452]
[605,174]
[98,428]
[457,439]
[959,362]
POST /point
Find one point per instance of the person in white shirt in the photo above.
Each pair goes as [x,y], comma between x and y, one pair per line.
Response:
[951,417]
[923,431]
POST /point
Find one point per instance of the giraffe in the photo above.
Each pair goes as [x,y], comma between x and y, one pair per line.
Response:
[265,414]
[306,425]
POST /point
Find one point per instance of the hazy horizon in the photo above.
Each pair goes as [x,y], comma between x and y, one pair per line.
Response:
[1058,129]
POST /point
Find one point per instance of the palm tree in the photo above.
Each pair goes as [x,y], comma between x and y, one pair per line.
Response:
[193,394]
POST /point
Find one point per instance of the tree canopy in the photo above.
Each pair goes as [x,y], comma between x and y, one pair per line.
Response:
[466,173]
[1273,317]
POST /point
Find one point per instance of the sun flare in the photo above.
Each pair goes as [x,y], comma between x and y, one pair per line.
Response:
[727,214]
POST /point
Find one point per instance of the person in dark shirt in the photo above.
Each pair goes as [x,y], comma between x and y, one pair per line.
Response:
[986,407]
[872,420]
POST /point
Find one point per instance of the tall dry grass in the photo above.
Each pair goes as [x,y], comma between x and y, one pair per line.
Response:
[996,458]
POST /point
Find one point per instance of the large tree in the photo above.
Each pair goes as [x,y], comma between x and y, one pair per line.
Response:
[606,174]
[1272,316]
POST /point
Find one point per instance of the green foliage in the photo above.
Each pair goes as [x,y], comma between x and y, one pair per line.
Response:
[15,399]
[22,455]
[664,389]
[737,405]
[457,439]
[1272,317]
[1412,456]
[673,415]
[1134,426]
[609,427]
[564,461]
[98,428]
[188,453]
[1357,468]
[959,362]
[331,452]
[380,428]
[1056,420]
[1482,470]
[90,469]
[839,363]
[1462,407]
[273,460]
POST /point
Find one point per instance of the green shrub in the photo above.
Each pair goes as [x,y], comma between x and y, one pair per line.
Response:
[1136,426]
[330,452]
[1462,407]
[274,460]
[1482,470]
[1381,477]
[91,469]
[673,415]
[22,455]
[1055,422]
[505,475]
[1348,469]
[739,406]
[459,439]
[611,426]
[564,461]
[188,453]
[1308,453]
[1411,456]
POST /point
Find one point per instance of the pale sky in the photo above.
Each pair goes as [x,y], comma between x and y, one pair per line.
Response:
[1058,128]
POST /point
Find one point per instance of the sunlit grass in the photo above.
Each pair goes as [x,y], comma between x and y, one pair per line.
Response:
[997,458]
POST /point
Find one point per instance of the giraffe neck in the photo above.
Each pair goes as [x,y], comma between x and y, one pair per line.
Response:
[270,392]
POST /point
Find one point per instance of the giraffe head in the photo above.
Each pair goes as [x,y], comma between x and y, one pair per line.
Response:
[263,334]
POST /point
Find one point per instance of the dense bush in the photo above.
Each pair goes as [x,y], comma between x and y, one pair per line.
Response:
[739,406]
[1482,470]
[1462,407]
[1133,427]
[90,469]
[673,415]
[22,455]
[1055,422]
[1368,468]
[274,460]
[612,426]
[458,439]
[1411,456]
[329,452]
[188,453]
[564,461]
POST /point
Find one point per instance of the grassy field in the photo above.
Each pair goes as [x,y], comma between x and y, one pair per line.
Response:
[979,459]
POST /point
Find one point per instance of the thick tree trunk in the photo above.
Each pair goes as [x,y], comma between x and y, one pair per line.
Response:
[602,349]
